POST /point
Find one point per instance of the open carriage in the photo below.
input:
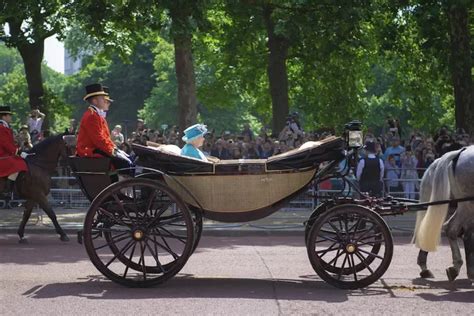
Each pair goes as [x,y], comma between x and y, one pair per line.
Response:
[140,231]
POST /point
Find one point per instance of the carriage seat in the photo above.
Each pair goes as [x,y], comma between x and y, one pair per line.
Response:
[167,158]
[93,174]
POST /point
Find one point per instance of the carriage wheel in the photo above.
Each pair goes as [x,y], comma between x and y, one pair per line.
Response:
[350,246]
[195,212]
[318,211]
[138,232]
[197,219]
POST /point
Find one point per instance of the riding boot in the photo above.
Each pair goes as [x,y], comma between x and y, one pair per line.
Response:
[9,186]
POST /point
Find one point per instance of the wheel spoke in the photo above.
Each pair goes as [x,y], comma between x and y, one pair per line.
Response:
[371,236]
[324,238]
[342,268]
[150,200]
[142,259]
[362,259]
[371,243]
[352,264]
[371,254]
[121,252]
[169,235]
[171,219]
[345,224]
[354,227]
[338,254]
[109,230]
[129,260]
[155,256]
[117,200]
[113,241]
[325,251]
[171,252]
[156,217]
[111,216]
[336,230]
[365,233]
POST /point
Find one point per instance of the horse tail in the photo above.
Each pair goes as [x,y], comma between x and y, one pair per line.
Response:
[425,194]
[429,229]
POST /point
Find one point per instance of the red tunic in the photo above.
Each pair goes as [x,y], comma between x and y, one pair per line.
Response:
[9,161]
[93,134]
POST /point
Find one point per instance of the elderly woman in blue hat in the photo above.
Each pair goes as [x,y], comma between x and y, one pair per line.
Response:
[194,138]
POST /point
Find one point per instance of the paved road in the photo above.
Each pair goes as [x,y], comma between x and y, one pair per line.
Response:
[227,275]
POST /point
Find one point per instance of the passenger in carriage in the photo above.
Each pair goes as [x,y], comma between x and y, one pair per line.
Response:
[93,139]
[194,138]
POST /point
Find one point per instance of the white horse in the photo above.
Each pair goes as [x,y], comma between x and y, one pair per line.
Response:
[449,177]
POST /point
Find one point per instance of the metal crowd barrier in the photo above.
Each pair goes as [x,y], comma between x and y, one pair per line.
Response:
[66,193]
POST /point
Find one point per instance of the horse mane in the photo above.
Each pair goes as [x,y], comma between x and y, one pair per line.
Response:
[44,144]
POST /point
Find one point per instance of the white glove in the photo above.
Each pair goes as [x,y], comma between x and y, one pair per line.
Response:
[123,155]
[23,155]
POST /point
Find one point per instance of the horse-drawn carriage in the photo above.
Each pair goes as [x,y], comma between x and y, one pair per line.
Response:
[140,231]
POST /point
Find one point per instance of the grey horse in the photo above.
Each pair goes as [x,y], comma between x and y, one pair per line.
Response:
[449,177]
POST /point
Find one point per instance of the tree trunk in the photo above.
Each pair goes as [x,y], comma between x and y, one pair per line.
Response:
[187,101]
[32,55]
[277,74]
[460,63]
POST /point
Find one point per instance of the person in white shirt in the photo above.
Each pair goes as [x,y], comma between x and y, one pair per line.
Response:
[35,122]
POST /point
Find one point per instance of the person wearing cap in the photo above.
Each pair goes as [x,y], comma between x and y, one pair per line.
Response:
[194,138]
[10,163]
[370,171]
[93,139]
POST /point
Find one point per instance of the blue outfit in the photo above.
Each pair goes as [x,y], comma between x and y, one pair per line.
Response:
[191,151]
[396,152]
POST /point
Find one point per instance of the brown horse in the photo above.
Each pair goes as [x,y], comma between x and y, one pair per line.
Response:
[34,185]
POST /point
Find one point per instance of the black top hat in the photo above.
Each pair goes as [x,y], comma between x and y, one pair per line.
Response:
[93,90]
[5,110]
[106,90]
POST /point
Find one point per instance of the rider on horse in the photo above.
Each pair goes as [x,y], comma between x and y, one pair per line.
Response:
[10,163]
[94,139]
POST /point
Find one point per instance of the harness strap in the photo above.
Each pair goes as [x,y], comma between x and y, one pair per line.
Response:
[456,158]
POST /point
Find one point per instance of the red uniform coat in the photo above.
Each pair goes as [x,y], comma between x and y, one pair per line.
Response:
[93,134]
[9,161]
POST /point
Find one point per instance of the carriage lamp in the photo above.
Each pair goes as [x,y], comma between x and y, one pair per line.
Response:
[354,136]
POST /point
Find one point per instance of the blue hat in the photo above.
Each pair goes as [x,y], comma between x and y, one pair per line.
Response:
[193,132]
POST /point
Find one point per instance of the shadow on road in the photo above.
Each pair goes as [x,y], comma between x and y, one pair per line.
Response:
[188,286]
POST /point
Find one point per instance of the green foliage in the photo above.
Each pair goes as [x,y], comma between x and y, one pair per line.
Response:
[130,83]
[14,92]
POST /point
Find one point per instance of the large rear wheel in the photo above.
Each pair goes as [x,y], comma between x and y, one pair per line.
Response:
[138,232]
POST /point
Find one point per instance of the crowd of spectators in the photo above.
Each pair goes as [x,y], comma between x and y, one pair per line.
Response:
[405,158]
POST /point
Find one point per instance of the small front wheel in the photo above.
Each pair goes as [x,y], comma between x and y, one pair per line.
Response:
[350,246]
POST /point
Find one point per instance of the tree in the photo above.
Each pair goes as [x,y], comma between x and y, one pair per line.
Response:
[29,23]
[122,24]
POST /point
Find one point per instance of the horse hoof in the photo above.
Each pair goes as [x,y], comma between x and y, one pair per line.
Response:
[64,238]
[452,274]
[23,241]
[426,274]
